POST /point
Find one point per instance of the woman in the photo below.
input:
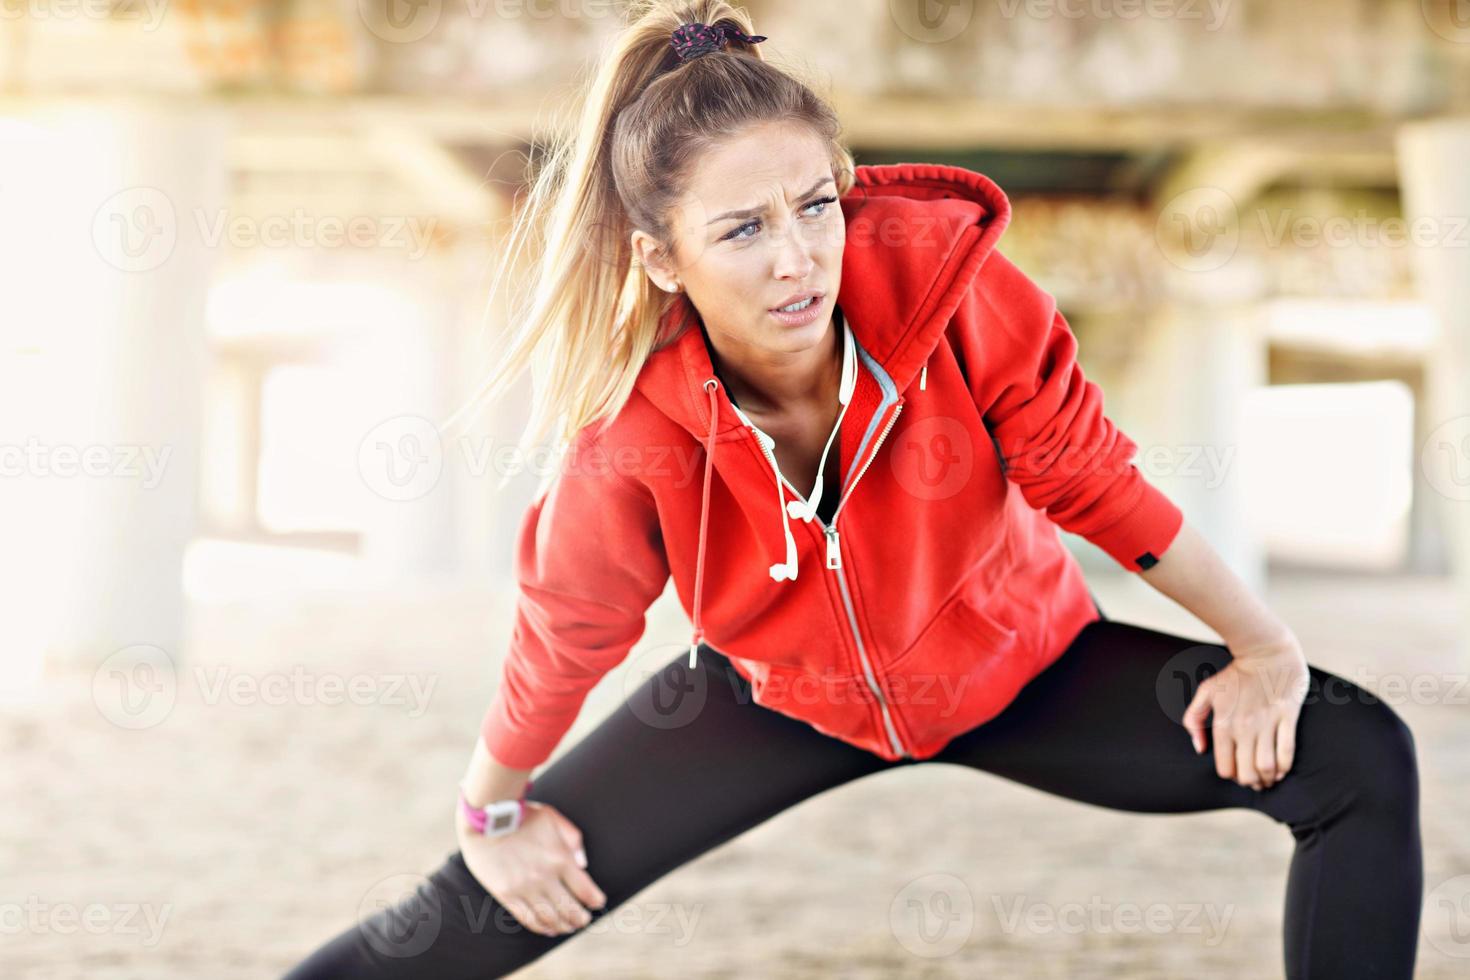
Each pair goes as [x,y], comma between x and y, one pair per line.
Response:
[822,400]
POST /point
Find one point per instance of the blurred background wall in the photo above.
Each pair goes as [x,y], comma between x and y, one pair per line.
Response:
[250,242]
[245,250]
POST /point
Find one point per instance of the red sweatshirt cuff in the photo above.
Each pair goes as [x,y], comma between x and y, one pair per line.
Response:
[509,745]
[1139,538]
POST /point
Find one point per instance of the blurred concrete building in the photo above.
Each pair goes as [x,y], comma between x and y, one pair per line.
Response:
[246,250]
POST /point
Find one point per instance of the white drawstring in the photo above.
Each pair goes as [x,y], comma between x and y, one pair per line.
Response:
[795,508]
[786,571]
[844,398]
[781,572]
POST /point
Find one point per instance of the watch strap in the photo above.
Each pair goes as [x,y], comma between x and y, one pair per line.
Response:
[497,817]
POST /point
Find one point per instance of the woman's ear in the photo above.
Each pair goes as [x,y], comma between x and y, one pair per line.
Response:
[646,253]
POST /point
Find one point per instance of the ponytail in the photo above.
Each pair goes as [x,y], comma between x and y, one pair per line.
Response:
[590,316]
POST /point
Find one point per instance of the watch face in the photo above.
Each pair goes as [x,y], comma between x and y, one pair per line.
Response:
[502,816]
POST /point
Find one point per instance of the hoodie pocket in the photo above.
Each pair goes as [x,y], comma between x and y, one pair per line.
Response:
[834,702]
[959,672]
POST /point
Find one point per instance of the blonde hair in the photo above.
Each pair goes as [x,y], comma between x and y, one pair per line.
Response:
[592,317]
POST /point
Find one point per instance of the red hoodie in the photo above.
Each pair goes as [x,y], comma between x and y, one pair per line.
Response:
[942,585]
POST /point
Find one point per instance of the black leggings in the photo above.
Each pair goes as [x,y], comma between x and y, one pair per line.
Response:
[1100,725]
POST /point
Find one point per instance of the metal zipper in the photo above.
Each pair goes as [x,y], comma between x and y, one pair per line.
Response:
[893,739]
[830,530]
[834,555]
[834,562]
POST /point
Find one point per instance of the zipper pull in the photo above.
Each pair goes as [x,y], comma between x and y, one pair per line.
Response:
[834,555]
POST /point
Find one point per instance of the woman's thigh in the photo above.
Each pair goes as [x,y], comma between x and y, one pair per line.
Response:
[1103,724]
[685,763]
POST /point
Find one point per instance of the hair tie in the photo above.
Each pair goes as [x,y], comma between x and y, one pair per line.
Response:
[694,39]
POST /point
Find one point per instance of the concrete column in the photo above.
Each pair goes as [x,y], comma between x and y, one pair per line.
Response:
[408,468]
[103,354]
[1185,404]
[1435,182]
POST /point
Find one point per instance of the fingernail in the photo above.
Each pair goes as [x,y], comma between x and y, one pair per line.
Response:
[581,858]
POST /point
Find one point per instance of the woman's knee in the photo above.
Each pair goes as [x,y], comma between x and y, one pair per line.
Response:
[1397,781]
[1373,745]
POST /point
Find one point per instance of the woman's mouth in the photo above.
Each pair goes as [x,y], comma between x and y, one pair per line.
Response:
[801,313]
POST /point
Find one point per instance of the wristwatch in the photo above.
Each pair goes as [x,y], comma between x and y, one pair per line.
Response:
[494,819]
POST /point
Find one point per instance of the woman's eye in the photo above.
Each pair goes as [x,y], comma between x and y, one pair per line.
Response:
[735,235]
[823,201]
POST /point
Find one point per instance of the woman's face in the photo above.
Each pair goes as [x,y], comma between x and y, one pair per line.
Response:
[759,224]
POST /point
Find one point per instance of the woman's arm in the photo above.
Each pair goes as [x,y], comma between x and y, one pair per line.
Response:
[1072,462]
[486,780]
[1192,574]
[1254,702]
[1047,419]
[589,561]
[538,872]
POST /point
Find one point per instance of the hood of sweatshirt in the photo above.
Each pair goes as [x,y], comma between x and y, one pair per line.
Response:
[916,237]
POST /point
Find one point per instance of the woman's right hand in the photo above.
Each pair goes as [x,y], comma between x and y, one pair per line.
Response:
[537,871]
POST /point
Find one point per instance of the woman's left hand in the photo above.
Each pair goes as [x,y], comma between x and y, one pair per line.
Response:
[1256,700]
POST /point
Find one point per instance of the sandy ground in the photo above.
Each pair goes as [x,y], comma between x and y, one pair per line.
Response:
[227,826]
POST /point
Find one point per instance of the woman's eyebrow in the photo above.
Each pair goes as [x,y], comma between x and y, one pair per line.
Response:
[752,212]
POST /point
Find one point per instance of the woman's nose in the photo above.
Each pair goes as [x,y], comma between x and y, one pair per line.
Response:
[793,255]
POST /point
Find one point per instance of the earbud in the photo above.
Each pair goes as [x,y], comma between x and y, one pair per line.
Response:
[783,572]
[786,571]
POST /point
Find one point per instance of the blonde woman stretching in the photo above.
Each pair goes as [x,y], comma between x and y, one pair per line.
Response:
[819,398]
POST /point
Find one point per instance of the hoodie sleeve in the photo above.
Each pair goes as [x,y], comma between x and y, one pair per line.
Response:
[1047,419]
[589,562]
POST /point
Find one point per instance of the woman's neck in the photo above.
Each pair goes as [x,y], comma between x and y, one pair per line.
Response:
[768,386]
